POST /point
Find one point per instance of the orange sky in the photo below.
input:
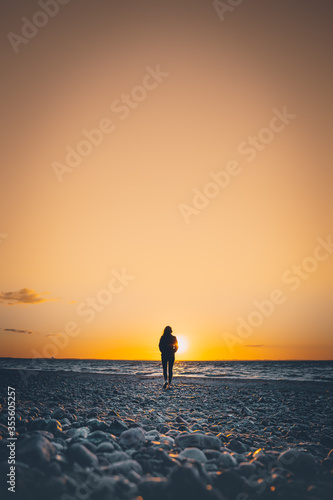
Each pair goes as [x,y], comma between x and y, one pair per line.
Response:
[163,164]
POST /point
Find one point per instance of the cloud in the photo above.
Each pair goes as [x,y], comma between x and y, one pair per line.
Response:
[255,345]
[13,330]
[53,335]
[24,296]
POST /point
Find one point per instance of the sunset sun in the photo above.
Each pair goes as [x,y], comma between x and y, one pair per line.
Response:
[182,344]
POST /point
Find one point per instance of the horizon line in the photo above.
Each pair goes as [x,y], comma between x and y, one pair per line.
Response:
[158,360]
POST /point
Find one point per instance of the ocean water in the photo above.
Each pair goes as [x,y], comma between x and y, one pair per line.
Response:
[267,370]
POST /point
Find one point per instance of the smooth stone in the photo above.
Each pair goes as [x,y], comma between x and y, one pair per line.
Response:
[238,446]
[132,438]
[117,456]
[65,422]
[54,426]
[97,425]
[117,427]
[231,485]
[105,488]
[98,437]
[58,413]
[153,435]
[196,427]
[327,464]
[37,424]
[298,461]
[194,454]
[227,460]
[80,454]
[186,483]
[246,469]
[81,432]
[151,488]
[327,441]
[35,450]
[105,448]
[125,467]
[198,440]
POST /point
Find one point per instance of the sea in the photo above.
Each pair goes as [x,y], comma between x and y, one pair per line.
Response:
[321,371]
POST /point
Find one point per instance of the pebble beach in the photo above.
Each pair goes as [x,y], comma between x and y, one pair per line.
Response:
[109,437]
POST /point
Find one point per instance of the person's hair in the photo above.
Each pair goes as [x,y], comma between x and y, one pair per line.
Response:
[167,330]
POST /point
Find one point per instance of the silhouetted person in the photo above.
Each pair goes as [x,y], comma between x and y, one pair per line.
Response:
[168,346]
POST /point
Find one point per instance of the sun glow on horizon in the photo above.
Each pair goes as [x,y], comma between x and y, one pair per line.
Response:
[182,344]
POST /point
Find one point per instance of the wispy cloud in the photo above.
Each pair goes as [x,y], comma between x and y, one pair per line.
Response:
[14,330]
[24,296]
[53,335]
[255,345]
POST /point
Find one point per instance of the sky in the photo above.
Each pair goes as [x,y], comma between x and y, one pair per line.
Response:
[166,163]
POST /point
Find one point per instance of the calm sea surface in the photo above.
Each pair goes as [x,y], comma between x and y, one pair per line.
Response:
[269,370]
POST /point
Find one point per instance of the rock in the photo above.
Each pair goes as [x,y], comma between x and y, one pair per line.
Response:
[212,454]
[105,488]
[247,411]
[75,434]
[54,426]
[98,437]
[58,413]
[151,488]
[117,427]
[35,450]
[132,438]
[97,425]
[165,458]
[231,484]
[105,448]
[125,467]
[80,454]
[163,429]
[299,462]
[181,420]
[238,446]
[153,435]
[226,460]
[55,486]
[186,483]
[327,441]
[246,469]
[198,440]
[194,454]
[117,456]
[196,427]
[327,464]
[37,424]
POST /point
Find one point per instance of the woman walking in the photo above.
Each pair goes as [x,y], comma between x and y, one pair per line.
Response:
[168,346]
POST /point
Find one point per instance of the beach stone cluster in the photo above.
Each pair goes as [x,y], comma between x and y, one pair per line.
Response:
[124,438]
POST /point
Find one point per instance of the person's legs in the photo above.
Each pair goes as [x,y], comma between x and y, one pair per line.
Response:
[171,362]
[165,365]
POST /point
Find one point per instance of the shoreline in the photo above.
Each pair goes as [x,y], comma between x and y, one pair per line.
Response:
[183,378]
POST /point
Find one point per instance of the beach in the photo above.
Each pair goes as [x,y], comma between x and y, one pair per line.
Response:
[102,436]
